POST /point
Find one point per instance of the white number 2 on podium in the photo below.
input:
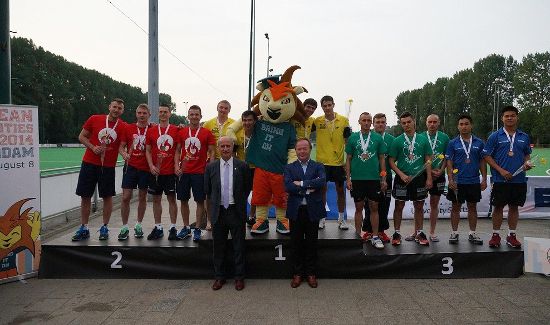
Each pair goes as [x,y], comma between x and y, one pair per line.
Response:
[118,258]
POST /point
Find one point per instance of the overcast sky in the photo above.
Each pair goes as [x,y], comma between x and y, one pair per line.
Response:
[368,51]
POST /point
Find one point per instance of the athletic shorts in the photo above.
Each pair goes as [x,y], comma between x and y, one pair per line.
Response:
[438,187]
[366,189]
[162,183]
[509,194]
[134,178]
[335,174]
[414,191]
[188,182]
[91,175]
[470,193]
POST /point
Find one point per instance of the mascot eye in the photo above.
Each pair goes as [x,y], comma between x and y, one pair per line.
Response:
[285,101]
[265,99]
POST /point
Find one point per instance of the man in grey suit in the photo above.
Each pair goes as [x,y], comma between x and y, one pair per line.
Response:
[227,185]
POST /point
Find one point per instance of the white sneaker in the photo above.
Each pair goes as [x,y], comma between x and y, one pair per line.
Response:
[322,223]
[343,225]
[377,242]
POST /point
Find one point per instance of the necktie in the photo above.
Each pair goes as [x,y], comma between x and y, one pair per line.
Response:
[225,190]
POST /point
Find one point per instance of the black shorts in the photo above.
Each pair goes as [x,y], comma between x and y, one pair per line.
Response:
[191,181]
[162,183]
[134,178]
[438,186]
[364,189]
[414,191]
[509,194]
[470,193]
[335,174]
[91,175]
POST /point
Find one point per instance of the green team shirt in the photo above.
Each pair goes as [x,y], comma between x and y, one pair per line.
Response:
[400,151]
[439,149]
[365,168]
[268,148]
[388,139]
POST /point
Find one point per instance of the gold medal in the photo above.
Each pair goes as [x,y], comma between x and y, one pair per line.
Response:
[510,153]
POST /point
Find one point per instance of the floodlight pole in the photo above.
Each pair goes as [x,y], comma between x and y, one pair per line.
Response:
[153,89]
[5,53]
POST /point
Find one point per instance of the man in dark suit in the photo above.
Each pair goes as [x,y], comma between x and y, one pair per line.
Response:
[304,180]
[227,185]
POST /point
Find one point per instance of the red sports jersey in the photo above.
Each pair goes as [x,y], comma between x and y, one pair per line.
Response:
[135,144]
[103,133]
[163,147]
[194,149]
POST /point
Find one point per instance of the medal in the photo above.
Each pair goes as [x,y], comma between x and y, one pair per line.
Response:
[364,146]
[467,150]
[467,160]
[510,153]
[411,157]
[410,144]
[511,139]
[365,156]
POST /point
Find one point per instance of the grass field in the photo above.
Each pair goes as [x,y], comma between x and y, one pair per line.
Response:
[52,158]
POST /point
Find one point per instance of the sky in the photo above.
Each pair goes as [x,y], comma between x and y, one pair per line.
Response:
[367,51]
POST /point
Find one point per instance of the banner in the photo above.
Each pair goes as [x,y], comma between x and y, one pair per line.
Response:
[20,199]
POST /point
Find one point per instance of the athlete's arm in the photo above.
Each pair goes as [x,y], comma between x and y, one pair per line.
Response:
[84,138]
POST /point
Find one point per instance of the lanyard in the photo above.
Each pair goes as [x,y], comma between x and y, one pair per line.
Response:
[467,151]
[107,122]
[430,141]
[511,139]
[165,132]
[144,132]
[364,144]
[196,133]
[410,143]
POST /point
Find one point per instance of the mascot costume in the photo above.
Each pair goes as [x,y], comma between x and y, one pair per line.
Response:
[271,146]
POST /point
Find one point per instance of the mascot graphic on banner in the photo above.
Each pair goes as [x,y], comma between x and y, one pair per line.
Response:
[272,145]
[18,232]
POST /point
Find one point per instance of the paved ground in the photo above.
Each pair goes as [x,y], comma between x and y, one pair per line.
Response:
[525,300]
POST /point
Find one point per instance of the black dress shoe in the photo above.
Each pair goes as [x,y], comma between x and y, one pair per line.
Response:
[218,284]
[296,280]
[312,281]
[239,284]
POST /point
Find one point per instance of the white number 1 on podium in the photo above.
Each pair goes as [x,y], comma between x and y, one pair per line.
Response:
[280,257]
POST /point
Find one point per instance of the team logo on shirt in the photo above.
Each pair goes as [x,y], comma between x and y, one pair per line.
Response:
[139,142]
[107,136]
[165,142]
[192,145]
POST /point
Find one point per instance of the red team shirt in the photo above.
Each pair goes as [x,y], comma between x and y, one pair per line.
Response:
[195,148]
[135,141]
[111,138]
[163,146]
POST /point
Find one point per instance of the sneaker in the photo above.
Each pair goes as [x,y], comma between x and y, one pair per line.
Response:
[377,242]
[184,232]
[322,223]
[396,239]
[367,236]
[422,239]
[383,237]
[260,227]
[81,234]
[512,241]
[495,241]
[434,238]
[342,225]
[103,233]
[283,227]
[138,231]
[173,234]
[123,235]
[453,239]
[156,233]
[474,239]
[411,237]
[197,234]
[250,221]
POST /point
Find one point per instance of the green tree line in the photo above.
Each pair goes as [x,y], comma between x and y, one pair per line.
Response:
[66,93]
[482,91]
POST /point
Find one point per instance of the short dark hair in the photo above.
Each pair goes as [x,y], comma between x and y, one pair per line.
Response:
[304,139]
[195,107]
[465,116]
[406,114]
[118,100]
[379,115]
[248,113]
[509,108]
[310,101]
[364,113]
[327,98]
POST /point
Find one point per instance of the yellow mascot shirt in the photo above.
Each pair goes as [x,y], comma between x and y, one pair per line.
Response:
[330,139]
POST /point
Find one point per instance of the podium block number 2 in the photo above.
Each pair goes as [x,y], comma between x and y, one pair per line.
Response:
[280,256]
[117,260]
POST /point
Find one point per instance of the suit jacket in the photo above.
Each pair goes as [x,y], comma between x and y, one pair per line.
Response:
[213,188]
[314,178]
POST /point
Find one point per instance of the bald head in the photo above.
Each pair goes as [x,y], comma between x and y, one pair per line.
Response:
[432,123]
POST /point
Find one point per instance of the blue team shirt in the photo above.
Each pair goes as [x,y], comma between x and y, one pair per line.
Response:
[498,145]
[467,173]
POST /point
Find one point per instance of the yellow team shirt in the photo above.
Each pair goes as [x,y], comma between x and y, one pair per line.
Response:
[212,125]
[301,131]
[330,139]
[242,144]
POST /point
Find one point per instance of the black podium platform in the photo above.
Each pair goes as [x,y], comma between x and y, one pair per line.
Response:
[341,255]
